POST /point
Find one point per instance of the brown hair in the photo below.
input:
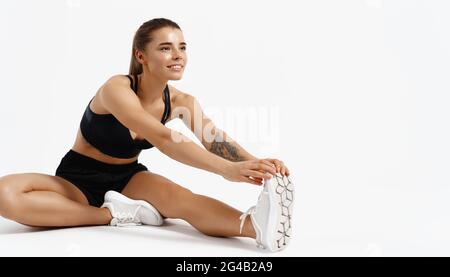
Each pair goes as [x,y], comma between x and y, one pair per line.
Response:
[143,36]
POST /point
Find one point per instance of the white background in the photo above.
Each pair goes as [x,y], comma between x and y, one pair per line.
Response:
[361,88]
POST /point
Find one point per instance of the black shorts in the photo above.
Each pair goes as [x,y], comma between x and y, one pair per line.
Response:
[94,178]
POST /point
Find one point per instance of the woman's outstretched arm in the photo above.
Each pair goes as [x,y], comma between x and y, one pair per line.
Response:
[212,138]
[123,103]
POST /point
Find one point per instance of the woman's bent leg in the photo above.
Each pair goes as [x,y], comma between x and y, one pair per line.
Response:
[42,200]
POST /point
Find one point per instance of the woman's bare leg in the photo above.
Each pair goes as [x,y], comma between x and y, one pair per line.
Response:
[215,218]
[47,201]
[209,216]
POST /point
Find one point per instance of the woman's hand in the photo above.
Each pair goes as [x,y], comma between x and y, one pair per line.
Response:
[279,165]
[252,171]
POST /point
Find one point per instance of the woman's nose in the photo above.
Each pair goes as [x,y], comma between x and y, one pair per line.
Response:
[177,54]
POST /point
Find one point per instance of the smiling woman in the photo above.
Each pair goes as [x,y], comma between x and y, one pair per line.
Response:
[159,55]
[100,181]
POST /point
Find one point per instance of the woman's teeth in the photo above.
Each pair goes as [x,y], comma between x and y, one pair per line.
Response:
[175,67]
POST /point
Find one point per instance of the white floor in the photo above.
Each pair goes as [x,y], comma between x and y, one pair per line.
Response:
[175,238]
[380,222]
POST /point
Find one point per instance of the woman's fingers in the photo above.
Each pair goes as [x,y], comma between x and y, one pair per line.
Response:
[286,170]
[256,174]
[260,166]
[258,179]
[274,163]
[280,167]
[269,163]
[265,167]
[255,181]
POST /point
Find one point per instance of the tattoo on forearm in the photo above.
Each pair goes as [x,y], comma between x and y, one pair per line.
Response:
[226,150]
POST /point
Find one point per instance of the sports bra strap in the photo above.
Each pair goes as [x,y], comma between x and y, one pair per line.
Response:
[131,83]
[166,104]
[134,86]
[135,83]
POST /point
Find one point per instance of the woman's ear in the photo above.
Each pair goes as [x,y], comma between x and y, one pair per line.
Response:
[140,57]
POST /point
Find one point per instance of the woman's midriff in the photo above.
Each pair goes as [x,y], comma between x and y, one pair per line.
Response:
[83,147]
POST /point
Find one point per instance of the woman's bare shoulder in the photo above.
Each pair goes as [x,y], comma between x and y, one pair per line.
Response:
[114,82]
[177,96]
[118,79]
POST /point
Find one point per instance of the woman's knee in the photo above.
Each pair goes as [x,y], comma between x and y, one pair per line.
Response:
[8,196]
[177,199]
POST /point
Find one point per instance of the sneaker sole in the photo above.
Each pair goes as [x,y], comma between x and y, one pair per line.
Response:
[281,197]
[110,195]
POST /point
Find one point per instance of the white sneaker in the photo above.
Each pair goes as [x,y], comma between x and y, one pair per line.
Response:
[271,217]
[128,212]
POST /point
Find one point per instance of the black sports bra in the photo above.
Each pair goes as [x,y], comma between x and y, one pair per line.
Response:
[111,137]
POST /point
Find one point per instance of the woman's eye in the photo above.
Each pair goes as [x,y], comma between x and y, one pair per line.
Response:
[167,48]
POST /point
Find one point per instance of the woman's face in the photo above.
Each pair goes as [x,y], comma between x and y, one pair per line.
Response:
[166,49]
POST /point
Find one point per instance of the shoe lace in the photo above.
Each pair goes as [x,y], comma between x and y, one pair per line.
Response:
[243,216]
[250,211]
[127,218]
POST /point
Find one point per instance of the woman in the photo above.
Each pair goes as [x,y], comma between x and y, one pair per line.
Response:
[99,181]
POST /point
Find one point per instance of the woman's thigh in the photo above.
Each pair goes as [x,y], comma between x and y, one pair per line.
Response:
[27,182]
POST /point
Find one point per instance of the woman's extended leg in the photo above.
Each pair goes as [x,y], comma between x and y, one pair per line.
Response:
[42,200]
[208,215]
